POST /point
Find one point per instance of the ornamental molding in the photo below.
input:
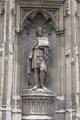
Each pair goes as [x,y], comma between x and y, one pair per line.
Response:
[39,17]
[23,7]
[27,17]
[41,3]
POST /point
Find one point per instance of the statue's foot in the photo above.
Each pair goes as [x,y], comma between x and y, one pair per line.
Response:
[35,87]
[46,89]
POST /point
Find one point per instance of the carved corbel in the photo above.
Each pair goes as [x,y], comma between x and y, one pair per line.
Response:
[18,34]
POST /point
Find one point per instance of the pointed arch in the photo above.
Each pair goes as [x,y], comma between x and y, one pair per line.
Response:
[47,15]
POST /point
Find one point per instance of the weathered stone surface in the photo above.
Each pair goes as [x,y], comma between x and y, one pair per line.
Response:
[64,67]
[38,105]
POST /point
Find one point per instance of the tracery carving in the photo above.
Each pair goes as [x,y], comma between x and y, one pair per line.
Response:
[39,18]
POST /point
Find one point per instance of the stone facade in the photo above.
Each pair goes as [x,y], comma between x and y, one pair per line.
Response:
[64,68]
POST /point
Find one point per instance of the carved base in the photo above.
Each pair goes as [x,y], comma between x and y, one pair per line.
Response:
[38,105]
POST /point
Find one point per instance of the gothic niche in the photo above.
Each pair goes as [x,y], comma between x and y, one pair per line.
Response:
[38,25]
[37,99]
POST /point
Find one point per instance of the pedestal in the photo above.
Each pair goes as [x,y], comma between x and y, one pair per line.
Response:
[38,105]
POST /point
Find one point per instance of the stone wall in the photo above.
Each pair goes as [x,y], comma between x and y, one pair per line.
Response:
[66,63]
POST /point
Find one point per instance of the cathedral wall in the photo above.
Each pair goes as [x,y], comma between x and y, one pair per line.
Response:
[64,67]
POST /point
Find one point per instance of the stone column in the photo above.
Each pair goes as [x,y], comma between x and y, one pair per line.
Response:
[68,83]
[71,55]
[60,113]
[61,63]
[78,55]
[16,111]
[61,53]
[1,55]
[75,59]
[8,59]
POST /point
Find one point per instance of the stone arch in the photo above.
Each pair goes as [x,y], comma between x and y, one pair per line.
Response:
[47,15]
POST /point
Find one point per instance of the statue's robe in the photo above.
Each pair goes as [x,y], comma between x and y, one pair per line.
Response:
[38,56]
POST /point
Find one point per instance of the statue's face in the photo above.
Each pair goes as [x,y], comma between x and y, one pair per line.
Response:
[39,32]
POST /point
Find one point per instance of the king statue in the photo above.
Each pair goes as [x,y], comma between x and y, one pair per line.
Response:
[38,60]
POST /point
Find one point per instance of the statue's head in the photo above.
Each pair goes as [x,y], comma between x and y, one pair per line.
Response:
[39,31]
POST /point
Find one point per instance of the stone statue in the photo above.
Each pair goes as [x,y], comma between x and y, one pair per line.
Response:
[38,60]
